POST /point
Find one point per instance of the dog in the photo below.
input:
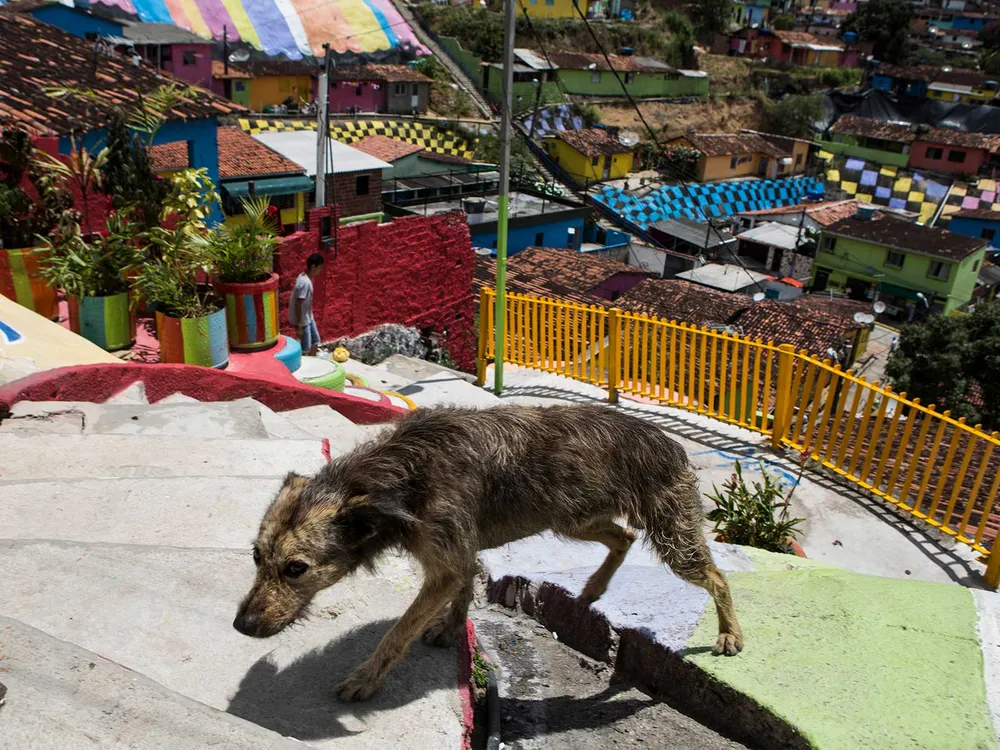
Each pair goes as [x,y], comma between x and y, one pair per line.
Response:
[448,482]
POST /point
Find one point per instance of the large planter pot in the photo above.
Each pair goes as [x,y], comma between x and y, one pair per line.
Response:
[108,322]
[21,280]
[251,313]
[193,341]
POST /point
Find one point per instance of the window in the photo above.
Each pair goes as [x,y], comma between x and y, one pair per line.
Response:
[540,239]
[595,77]
[550,2]
[975,266]
[415,89]
[798,159]
[894,259]
[90,36]
[933,153]
[988,234]
[357,90]
[939,270]
[595,161]
[534,2]
[956,157]
[629,77]
[189,58]
[733,162]
[361,185]
[829,243]
[399,89]
[239,86]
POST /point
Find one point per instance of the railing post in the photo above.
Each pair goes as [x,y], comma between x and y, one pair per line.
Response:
[992,576]
[484,336]
[783,399]
[614,353]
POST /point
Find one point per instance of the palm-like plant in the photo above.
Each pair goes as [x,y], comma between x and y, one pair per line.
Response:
[245,252]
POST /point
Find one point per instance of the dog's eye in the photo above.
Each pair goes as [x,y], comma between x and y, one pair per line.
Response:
[256,556]
[295,568]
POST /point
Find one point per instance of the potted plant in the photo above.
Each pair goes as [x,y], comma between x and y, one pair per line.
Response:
[244,259]
[24,218]
[94,272]
[746,514]
[190,317]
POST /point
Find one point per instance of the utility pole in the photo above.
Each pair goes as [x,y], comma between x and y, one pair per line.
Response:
[504,196]
[322,128]
[225,49]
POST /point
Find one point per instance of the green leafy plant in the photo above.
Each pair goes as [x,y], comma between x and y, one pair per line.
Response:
[481,671]
[80,170]
[97,265]
[189,199]
[128,172]
[245,252]
[745,514]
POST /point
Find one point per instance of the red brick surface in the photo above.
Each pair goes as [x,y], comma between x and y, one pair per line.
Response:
[342,190]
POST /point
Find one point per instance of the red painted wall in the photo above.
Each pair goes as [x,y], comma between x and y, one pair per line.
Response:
[96,209]
[344,96]
[416,271]
[974,158]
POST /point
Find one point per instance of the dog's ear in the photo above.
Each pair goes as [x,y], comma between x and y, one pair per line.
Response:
[366,521]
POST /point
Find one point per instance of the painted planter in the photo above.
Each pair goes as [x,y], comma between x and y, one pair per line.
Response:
[321,373]
[21,280]
[251,313]
[108,322]
[193,341]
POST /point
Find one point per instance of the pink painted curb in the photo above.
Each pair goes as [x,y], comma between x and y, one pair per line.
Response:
[466,648]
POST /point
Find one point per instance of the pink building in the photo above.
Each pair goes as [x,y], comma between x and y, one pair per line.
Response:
[171,48]
[396,89]
[953,151]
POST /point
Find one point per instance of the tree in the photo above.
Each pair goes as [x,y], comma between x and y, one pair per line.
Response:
[711,16]
[783,22]
[984,333]
[793,116]
[885,23]
[681,48]
[990,37]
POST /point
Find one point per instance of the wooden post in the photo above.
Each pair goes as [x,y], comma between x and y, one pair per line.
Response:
[784,398]
[614,360]
[484,335]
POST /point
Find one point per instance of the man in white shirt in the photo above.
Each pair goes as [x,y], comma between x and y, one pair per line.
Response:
[300,305]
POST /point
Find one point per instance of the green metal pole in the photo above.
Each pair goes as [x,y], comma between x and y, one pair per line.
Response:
[504,198]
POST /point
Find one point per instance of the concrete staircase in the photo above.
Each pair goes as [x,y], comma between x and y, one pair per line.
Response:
[125,533]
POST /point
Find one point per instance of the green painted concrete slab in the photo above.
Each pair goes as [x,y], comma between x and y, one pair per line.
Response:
[857,661]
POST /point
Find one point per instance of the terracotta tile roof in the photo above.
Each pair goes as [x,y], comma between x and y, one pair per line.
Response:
[242,155]
[960,138]
[219,71]
[907,237]
[35,56]
[844,307]
[260,68]
[167,157]
[593,142]
[825,214]
[732,144]
[629,63]
[675,299]
[865,126]
[485,274]
[380,73]
[785,323]
[385,148]
[977,213]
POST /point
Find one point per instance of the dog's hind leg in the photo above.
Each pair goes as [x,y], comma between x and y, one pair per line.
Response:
[617,540]
[451,621]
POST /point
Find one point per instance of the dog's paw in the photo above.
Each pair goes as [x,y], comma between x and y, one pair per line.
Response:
[360,686]
[441,633]
[729,644]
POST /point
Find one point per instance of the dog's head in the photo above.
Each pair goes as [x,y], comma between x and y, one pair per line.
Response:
[314,534]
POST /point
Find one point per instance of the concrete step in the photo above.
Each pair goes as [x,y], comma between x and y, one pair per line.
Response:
[448,390]
[377,377]
[213,511]
[29,457]
[133,394]
[167,614]
[323,422]
[60,695]
[411,368]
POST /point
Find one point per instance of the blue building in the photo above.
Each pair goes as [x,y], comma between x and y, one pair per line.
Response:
[80,20]
[980,223]
[896,79]
[36,57]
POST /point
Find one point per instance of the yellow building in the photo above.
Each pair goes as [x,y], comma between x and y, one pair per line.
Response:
[724,156]
[551,8]
[274,83]
[590,155]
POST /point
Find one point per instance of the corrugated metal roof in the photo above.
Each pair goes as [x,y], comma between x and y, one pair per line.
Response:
[726,277]
[300,147]
[775,235]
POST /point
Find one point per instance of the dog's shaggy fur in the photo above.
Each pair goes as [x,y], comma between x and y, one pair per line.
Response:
[446,483]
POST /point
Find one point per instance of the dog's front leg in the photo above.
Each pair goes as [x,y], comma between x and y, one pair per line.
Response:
[367,678]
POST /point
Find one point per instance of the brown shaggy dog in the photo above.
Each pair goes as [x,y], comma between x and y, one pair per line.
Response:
[448,482]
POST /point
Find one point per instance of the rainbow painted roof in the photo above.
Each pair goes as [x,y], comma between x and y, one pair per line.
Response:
[290,27]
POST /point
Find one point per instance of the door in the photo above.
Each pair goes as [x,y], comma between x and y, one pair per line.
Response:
[415,97]
[822,279]
[762,167]
[607,167]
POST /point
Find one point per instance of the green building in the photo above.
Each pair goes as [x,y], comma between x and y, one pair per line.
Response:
[643,77]
[868,139]
[875,255]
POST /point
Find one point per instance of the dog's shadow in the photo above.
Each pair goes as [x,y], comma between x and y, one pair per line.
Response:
[298,701]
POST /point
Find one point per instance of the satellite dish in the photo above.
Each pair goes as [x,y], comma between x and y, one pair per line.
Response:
[628,138]
[869,319]
[859,317]
[879,307]
[484,251]
[759,297]
[239,55]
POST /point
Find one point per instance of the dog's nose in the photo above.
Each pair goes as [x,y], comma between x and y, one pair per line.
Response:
[246,623]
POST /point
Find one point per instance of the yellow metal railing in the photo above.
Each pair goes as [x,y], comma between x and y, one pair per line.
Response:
[928,465]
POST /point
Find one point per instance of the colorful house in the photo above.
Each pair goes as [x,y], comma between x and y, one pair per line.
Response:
[900,80]
[590,155]
[795,47]
[954,151]
[872,140]
[534,79]
[281,82]
[958,85]
[413,160]
[36,57]
[873,255]
[750,12]
[231,82]
[551,8]
[81,19]
[725,156]
[396,89]
[982,224]
[590,75]
[171,48]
